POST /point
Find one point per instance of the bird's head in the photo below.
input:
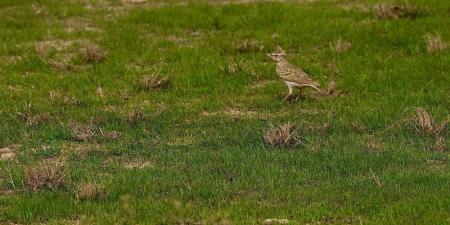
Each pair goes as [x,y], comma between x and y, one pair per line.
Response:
[278,54]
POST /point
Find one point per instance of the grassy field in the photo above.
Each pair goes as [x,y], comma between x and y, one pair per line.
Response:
[88,137]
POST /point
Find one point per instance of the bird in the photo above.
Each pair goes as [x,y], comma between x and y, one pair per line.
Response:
[292,75]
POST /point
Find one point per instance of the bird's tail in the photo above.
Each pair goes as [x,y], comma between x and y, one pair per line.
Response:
[330,89]
[319,91]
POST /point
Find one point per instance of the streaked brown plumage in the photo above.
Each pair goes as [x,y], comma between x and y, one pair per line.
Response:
[292,75]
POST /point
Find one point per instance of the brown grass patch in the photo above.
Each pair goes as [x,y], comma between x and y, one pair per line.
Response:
[63,98]
[9,152]
[394,11]
[440,145]
[135,116]
[285,135]
[340,46]
[275,221]
[133,1]
[136,164]
[153,81]
[435,43]
[31,117]
[61,54]
[424,123]
[77,24]
[373,144]
[90,191]
[56,53]
[236,113]
[84,132]
[182,141]
[357,127]
[435,165]
[93,54]
[111,135]
[47,175]
[321,128]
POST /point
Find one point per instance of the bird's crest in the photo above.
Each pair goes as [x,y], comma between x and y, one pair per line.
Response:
[280,50]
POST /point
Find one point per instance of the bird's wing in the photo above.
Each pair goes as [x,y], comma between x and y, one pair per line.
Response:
[297,75]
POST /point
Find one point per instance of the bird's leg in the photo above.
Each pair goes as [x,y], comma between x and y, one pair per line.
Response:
[289,94]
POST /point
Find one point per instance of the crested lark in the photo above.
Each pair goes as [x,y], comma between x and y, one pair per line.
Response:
[292,75]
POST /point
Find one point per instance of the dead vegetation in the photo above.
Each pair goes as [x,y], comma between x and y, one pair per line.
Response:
[285,135]
[46,175]
[84,132]
[373,144]
[424,124]
[395,11]
[340,46]
[90,191]
[9,152]
[435,43]
[60,55]
[321,128]
[130,164]
[89,131]
[135,116]
[153,81]
[32,118]
[63,98]
[238,113]
[275,221]
[93,54]
[440,145]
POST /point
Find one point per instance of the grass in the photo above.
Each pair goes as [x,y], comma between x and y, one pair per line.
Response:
[71,74]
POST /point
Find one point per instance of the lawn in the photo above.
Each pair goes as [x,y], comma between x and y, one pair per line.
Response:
[155,112]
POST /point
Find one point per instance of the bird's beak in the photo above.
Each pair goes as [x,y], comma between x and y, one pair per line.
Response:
[269,55]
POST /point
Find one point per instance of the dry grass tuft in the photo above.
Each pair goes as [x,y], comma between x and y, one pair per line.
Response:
[425,124]
[423,121]
[136,116]
[93,54]
[84,132]
[153,81]
[373,144]
[439,145]
[285,135]
[31,117]
[435,43]
[90,191]
[340,46]
[49,175]
[393,11]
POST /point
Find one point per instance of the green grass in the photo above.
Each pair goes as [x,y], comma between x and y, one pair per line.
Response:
[203,161]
